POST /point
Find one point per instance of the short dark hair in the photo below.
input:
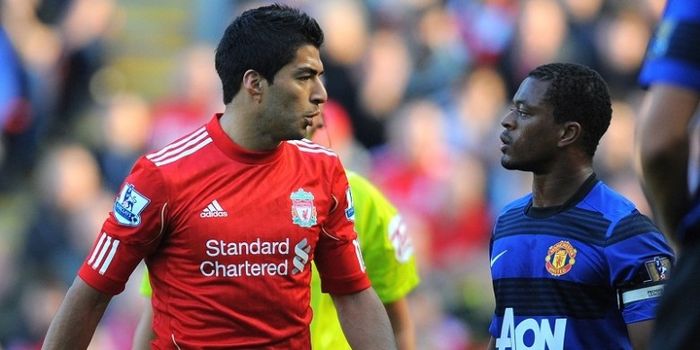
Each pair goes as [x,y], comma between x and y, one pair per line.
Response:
[263,39]
[577,93]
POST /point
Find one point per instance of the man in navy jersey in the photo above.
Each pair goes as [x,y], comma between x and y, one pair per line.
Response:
[574,264]
[671,72]
[229,217]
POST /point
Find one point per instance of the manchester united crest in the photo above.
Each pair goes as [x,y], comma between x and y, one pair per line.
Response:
[303,210]
[560,258]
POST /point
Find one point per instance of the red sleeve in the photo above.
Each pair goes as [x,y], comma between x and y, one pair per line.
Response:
[338,257]
[132,230]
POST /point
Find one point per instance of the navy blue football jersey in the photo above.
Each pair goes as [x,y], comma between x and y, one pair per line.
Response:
[573,276]
[673,55]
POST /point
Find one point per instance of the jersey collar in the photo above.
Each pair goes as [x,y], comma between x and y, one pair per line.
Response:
[236,152]
[581,193]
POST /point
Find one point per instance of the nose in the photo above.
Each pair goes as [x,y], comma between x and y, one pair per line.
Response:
[508,120]
[318,93]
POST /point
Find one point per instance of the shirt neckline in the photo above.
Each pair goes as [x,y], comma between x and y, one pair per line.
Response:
[235,151]
[545,212]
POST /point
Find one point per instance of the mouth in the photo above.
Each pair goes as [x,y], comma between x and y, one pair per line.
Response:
[505,142]
[309,118]
[311,115]
[505,139]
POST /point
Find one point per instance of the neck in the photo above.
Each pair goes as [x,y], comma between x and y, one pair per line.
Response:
[556,187]
[240,123]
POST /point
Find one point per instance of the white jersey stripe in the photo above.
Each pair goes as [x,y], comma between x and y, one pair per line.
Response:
[172,336]
[310,150]
[307,143]
[176,144]
[108,261]
[97,248]
[108,242]
[178,150]
[329,235]
[217,206]
[185,153]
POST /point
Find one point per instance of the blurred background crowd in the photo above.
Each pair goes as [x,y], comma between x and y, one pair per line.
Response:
[417,89]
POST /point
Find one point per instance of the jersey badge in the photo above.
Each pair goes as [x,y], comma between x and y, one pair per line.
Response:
[560,258]
[303,209]
[658,269]
[129,205]
[350,210]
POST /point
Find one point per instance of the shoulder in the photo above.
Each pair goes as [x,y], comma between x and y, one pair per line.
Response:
[683,10]
[670,58]
[610,204]
[515,205]
[511,214]
[626,220]
[307,148]
[633,224]
[183,148]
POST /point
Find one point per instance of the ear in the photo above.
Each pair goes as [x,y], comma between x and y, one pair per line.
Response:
[253,84]
[570,133]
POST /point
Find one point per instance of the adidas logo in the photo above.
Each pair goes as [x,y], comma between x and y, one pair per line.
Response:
[213,210]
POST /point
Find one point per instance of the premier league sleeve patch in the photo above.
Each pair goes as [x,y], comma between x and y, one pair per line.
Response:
[129,205]
[657,269]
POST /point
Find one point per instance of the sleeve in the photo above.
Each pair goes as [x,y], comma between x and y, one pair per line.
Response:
[132,230]
[145,288]
[338,257]
[640,263]
[384,241]
[672,55]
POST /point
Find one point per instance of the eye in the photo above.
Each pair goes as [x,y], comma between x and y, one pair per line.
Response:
[520,112]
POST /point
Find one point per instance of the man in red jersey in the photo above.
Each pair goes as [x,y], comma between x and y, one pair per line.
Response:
[229,216]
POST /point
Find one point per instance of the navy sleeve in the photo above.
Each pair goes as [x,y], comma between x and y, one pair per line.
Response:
[640,260]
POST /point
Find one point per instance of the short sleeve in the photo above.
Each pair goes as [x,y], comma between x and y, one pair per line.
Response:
[385,242]
[131,232]
[338,256]
[640,262]
[672,56]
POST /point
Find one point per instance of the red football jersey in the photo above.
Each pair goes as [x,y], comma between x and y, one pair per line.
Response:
[227,235]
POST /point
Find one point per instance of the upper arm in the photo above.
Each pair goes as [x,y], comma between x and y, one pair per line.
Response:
[76,320]
[663,147]
[338,257]
[640,261]
[364,321]
[640,333]
[492,344]
[132,230]
[664,119]
[82,293]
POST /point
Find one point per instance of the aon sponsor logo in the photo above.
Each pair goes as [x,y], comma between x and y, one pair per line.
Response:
[541,336]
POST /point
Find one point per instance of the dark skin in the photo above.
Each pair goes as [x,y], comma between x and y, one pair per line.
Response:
[533,141]
[663,148]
